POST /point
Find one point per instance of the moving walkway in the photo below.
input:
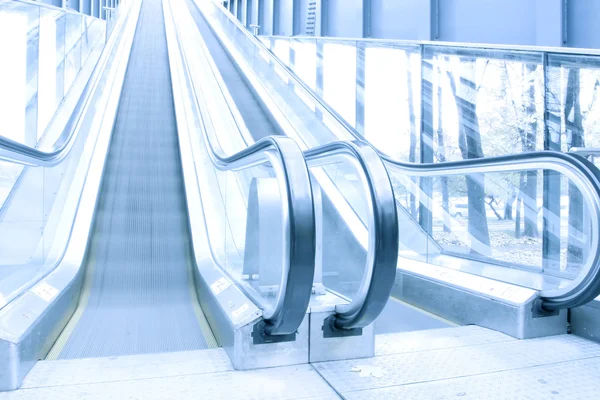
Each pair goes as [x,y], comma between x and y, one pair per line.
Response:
[469,286]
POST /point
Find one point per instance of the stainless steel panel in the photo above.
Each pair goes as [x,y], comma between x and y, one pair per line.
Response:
[436,339]
[432,365]
[340,348]
[570,380]
[111,369]
[468,299]
[585,320]
[292,382]
[233,329]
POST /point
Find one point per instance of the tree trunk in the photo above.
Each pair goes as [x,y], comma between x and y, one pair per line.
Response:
[470,147]
[519,203]
[491,204]
[574,125]
[442,158]
[508,206]
[529,193]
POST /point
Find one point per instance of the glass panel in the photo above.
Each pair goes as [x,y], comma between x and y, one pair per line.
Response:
[305,61]
[482,104]
[339,78]
[19,28]
[342,220]
[572,86]
[483,223]
[37,213]
[51,82]
[72,48]
[392,101]
[572,91]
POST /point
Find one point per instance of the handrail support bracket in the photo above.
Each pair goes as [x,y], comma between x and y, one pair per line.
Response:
[331,331]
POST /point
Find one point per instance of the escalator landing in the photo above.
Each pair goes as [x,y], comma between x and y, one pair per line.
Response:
[466,362]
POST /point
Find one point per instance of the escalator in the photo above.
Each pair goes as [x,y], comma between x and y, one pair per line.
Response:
[143,225]
[473,266]
[162,232]
[138,293]
[341,246]
[204,228]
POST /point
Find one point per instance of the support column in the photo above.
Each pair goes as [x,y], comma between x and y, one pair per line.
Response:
[73,4]
[366,13]
[235,8]
[86,7]
[552,184]
[359,122]
[324,17]
[266,17]
[245,10]
[551,22]
[296,17]
[254,12]
[319,77]
[276,16]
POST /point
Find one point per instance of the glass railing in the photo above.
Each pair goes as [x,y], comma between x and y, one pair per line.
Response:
[402,95]
[49,50]
[429,103]
[526,219]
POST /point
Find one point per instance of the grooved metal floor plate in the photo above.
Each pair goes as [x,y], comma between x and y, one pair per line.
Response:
[138,296]
[444,364]
[294,382]
[569,380]
[111,369]
[434,339]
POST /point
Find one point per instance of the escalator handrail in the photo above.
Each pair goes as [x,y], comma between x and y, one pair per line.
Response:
[285,156]
[382,256]
[382,251]
[19,153]
[295,290]
[584,173]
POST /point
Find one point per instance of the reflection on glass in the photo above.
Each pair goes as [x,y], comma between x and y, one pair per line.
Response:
[392,101]
[503,225]
[72,48]
[339,78]
[305,61]
[18,81]
[340,190]
[35,215]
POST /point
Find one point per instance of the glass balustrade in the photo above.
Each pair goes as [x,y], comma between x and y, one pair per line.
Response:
[426,103]
[48,51]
